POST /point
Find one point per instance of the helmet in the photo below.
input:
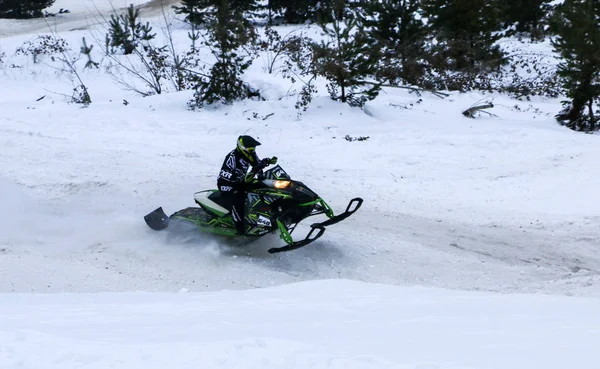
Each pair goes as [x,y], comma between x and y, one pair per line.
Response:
[247,145]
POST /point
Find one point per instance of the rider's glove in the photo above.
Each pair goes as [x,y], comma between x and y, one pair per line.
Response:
[273,160]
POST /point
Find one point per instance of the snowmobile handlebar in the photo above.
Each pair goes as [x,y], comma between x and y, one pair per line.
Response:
[257,170]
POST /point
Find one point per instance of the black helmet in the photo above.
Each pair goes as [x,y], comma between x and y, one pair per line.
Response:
[247,145]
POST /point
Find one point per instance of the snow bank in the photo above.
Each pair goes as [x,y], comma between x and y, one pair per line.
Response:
[324,324]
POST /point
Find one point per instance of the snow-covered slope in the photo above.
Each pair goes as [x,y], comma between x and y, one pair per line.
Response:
[82,14]
[320,324]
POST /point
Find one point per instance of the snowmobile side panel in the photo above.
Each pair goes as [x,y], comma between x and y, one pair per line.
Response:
[202,199]
[157,220]
[222,226]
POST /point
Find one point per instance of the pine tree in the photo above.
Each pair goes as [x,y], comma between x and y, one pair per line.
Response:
[195,10]
[126,30]
[464,34]
[228,33]
[302,11]
[400,37]
[577,25]
[526,15]
[347,58]
[202,11]
[23,9]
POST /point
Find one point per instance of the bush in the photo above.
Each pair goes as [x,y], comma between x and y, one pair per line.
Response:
[23,9]
[43,45]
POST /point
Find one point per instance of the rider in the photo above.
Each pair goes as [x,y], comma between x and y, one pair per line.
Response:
[232,178]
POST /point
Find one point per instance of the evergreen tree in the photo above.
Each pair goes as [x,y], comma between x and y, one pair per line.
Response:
[577,26]
[202,11]
[400,38]
[23,9]
[228,33]
[302,11]
[273,8]
[126,31]
[347,58]
[526,15]
[464,34]
[195,11]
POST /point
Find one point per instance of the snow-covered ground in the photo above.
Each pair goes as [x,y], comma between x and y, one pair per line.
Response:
[319,324]
[505,204]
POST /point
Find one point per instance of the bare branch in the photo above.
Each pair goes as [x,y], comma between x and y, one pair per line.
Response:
[416,90]
[470,112]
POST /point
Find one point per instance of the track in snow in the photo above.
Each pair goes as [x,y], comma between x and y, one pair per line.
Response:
[83,247]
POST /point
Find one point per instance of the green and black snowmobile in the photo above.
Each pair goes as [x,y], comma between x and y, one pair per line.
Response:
[274,202]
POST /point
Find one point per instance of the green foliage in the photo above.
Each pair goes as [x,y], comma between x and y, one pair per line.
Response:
[200,12]
[228,33]
[126,31]
[526,16]
[195,10]
[577,25]
[464,35]
[400,37]
[303,11]
[23,9]
[347,58]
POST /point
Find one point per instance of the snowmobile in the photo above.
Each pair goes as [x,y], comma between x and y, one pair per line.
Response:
[274,202]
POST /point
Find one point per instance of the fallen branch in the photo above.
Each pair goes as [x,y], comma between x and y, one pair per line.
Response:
[469,112]
[416,90]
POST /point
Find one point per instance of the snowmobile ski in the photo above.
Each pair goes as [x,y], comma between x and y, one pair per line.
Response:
[338,218]
[298,244]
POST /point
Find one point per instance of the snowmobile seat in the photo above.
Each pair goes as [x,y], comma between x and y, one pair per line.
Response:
[224,201]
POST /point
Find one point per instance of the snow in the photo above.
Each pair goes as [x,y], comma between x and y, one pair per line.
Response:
[476,246]
[318,324]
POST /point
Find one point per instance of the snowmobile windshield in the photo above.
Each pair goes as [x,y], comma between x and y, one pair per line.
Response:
[276,173]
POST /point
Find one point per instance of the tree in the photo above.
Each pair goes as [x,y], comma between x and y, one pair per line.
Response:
[526,16]
[400,37]
[463,32]
[577,26]
[126,31]
[347,58]
[301,11]
[23,9]
[195,10]
[228,33]
[202,11]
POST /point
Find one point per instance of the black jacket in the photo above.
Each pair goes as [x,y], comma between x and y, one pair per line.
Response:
[234,169]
